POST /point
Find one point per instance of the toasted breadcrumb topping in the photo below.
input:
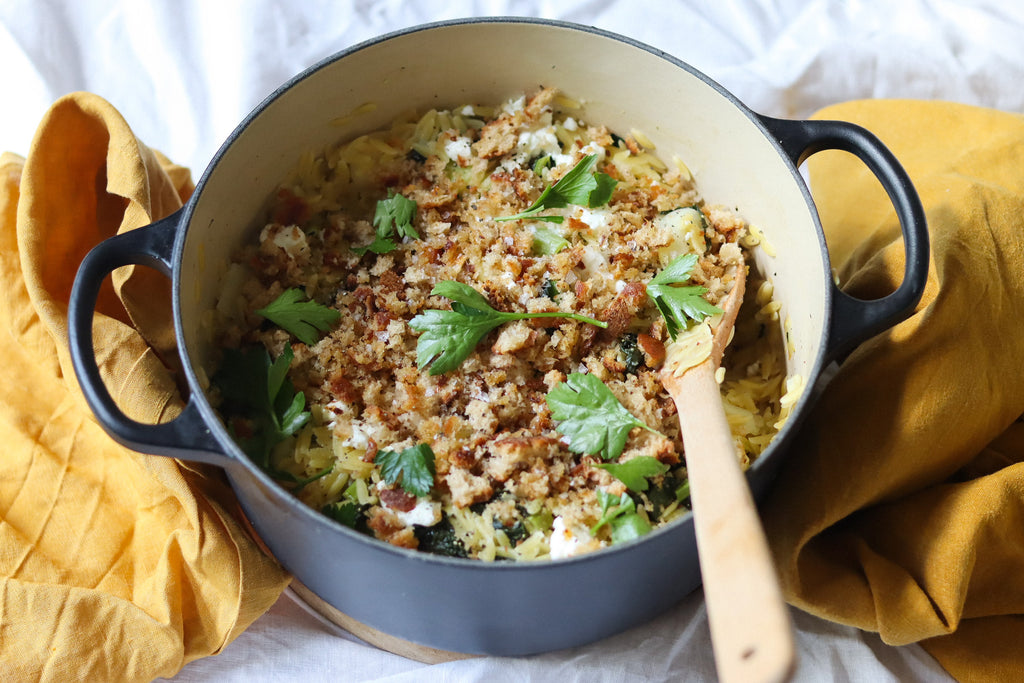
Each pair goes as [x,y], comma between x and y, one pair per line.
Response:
[504,474]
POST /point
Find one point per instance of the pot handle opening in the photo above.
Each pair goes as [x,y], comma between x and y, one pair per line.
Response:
[186,436]
[856,320]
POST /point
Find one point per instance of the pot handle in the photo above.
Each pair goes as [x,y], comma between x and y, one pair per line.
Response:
[186,436]
[856,320]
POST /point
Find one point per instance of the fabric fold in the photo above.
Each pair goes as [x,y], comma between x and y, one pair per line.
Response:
[114,565]
[900,507]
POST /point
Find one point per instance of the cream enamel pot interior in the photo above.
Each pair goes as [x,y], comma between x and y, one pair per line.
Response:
[738,157]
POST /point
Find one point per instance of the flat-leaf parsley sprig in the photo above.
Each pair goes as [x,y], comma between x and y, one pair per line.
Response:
[412,468]
[448,337]
[579,186]
[679,303]
[304,319]
[591,416]
[393,221]
[620,513]
[635,472]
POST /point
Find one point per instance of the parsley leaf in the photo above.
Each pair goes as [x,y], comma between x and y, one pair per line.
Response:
[579,186]
[634,472]
[304,319]
[612,507]
[448,337]
[628,527]
[677,304]
[393,216]
[620,513]
[414,466]
[591,416]
[259,390]
[602,194]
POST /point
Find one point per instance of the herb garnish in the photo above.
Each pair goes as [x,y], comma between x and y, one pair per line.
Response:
[412,468]
[591,416]
[304,319]
[635,471]
[679,303]
[620,512]
[448,337]
[579,186]
[392,220]
[344,511]
[261,392]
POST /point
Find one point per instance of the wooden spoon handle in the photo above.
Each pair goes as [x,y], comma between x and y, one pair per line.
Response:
[750,625]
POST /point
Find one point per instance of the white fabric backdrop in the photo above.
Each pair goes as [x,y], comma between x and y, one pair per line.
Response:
[184,73]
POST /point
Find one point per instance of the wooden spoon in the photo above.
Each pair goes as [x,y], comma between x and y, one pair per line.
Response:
[751,633]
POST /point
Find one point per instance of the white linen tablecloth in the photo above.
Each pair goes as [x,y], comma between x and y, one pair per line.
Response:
[185,73]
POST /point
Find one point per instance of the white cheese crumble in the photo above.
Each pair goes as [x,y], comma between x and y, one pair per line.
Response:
[426,513]
[594,148]
[360,439]
[459,148]
[597,219]
[595,262]
[289,238]
[514,105]
[562,160]
[337,407]
[542,141]
[566,542]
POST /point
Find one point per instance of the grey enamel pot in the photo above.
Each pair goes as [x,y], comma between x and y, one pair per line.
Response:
[738,157]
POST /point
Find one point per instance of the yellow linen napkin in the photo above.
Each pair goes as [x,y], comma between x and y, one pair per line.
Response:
[901,507]
[113,565]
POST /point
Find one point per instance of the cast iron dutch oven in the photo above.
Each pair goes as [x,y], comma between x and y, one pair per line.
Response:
[738,157]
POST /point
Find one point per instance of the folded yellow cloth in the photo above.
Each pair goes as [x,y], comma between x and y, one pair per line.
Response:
[899,510]
[113,565]
[901,507]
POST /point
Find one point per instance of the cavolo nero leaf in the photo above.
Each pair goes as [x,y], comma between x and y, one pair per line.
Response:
[591,416]
[294,314]
[448,337]
[345,511]
[676,301]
